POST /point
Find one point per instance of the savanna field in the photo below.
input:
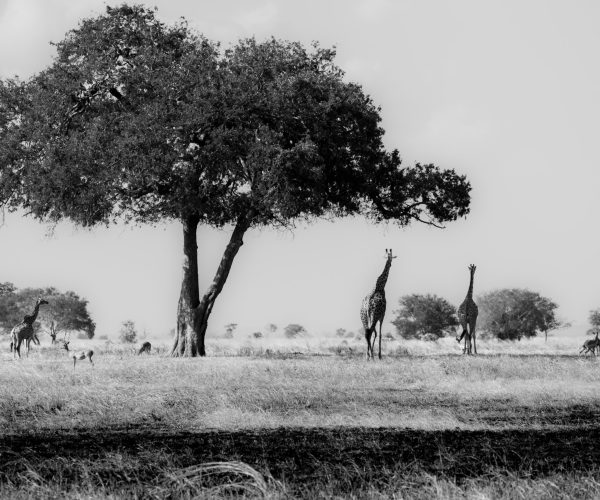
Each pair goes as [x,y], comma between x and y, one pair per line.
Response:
[304,418]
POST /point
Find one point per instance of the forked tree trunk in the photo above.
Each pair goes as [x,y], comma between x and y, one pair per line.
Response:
[193,312]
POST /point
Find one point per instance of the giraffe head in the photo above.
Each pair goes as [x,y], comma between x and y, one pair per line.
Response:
[472,268]
[41,301]
[388,254]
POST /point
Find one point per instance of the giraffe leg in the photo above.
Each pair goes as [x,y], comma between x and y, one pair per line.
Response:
[473,337]
[18,347]
[467,341]
[373,339]
[368,337]
[380,324]
[462,336]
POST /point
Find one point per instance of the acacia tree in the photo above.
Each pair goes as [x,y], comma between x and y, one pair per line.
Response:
[66,312]
[139,121]
[420,315]
[514,313]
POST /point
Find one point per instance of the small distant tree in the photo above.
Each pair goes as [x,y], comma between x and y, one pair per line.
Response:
[257,335]
[511,314]
[229,330]
[271,328]
[424,316]
[292,331]
[128,332]
[594,318]
[341,332]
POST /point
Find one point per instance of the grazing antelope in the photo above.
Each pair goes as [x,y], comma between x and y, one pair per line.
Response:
[146,346]
[590,346]
[75,355]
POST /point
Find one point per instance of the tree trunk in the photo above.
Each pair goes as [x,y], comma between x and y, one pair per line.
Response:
[193,312]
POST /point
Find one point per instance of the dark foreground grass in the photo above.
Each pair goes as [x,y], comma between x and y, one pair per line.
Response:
[304,463]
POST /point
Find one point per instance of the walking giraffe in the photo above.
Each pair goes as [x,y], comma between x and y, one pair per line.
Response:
[24,330]
[467,316]
[373,307]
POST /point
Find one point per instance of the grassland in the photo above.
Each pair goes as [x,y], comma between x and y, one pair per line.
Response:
[313,419]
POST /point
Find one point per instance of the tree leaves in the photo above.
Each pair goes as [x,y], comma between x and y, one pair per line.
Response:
[511,314]
[421,315]
[140,121]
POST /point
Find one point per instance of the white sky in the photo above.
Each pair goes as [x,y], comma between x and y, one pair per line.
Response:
[506,92]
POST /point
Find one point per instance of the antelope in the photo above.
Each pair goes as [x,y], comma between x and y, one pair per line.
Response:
[146,346]
[75,355]
[590,346]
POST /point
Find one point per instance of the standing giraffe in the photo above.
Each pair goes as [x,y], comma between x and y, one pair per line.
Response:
[467,316]
[24,330]
[373,307]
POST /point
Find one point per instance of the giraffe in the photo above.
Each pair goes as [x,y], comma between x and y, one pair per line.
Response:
[24,330]
[467,316]
[373,307]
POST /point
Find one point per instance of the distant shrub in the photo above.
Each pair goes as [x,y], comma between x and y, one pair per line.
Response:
[128,332]
[229,329]
[293,330]
[257,335]
[271,328]
[341,332]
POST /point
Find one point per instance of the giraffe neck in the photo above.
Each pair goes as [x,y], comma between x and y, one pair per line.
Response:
[382,280]
[30,319]
[470,291]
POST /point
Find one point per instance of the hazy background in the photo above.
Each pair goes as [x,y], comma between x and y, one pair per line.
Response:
[506,92]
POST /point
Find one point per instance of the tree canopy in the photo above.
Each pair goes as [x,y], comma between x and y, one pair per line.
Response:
[65,311]
[594,318]
[420,316]
[511,314]
[140,121]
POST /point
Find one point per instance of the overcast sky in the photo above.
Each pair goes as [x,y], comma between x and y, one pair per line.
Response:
[506,92]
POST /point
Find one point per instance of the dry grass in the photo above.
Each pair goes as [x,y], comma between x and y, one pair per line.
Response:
[272,390]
